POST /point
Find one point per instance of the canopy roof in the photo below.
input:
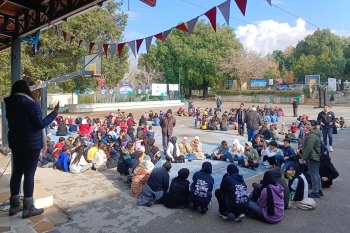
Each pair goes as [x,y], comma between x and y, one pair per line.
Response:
[20,18]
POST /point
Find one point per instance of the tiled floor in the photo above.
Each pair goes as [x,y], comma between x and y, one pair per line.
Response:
[16,224]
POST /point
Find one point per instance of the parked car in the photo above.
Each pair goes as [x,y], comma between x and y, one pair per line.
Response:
[283,87]
[296,87]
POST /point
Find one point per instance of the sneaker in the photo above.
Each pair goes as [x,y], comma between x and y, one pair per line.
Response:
[265,163]
[269,166]
[223,215]
[149,204]
[186,160]
[331,149]
[227,160]
[314,195]
[321,193]
[204,210]
[235,162]
[239,218]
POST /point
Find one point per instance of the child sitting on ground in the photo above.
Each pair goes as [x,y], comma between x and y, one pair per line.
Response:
[250,158]
[179,191]
[274,132]
[63,159]
[221,152]
[342,123]
[150,133]
[283,129]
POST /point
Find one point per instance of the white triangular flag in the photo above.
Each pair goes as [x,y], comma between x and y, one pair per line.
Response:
[166,34]
[59,32]
[225,10]
[148,43]
[191,24]
[77,39]
[87,44]
[99,47]
[113,47]
[68,38]
[53,29]
[132,47]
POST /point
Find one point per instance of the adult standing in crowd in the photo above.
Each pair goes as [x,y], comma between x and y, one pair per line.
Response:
[190,104]
[295,108]
[167,123]
[253,120]
[218,102]
[311,152]
[326,119]
[240,116]
[26,138]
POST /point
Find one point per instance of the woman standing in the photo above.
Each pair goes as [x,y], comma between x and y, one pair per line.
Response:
[26,139]
[311,152]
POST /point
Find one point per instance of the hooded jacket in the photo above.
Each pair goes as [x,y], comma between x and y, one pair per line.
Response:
[178,192]
[240,148]
[278,175]
[235,191]
[250,155]
[25,123]
[312,143]
[202,186]
[159,180]
[288,152]
[139,178]
[278,199]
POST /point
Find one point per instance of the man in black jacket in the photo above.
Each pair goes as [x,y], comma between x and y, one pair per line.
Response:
[326,119]
[253,120]
[295,108]
[240,116]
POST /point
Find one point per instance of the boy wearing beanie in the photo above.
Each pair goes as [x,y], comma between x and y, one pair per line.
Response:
[179,191]
[232,195]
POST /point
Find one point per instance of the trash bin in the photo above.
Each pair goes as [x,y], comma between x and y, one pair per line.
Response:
[297,98]
[183,100]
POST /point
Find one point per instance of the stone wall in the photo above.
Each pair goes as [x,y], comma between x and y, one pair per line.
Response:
[339,98]
[267,99]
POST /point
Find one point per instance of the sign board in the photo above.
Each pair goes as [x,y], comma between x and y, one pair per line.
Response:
[332,84]
[270,82]
[229,82]
[125,88]
[159,89]
[258,83]
[173,87]
[148,88]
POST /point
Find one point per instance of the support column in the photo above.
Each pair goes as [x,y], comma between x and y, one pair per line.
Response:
[44,101]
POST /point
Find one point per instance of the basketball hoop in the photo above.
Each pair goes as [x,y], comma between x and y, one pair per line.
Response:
[101,79]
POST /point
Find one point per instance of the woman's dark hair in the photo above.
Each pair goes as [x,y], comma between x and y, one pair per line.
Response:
[80,152]
[313,122]
[269,179]
[22,86]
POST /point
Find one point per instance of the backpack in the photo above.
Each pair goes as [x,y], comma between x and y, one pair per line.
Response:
[324,152]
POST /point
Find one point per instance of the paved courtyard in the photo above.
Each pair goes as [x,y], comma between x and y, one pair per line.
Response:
[100,202]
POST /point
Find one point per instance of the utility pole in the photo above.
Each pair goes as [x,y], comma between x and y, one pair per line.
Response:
[179,83]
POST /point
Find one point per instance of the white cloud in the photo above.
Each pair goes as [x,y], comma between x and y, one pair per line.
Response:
[269,35]
[133,35]
[341,32]
[276,2]
[133,15]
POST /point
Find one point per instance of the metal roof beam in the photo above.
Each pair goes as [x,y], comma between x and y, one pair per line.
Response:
[25,4]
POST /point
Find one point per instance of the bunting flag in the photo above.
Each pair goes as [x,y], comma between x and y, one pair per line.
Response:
[166,34]
[225,10]
[71,38]
[148,42]
[138,45]
[54,29]
[92,44]
[79,42]
[68,37]
[182,27]
[242,4]
[159,36]
[64,33]
[132,47]
[113,48]
[59,32]
[211,14]
[191,24]
[120,49]
[99,48]
[105,49]
[269,1]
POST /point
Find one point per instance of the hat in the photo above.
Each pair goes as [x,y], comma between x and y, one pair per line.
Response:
[169,111]
[183,173]
[167,166]
[196,137]
[185,138]
[242,104]
[232,169]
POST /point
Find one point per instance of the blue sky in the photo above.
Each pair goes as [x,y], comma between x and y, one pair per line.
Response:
[264,28]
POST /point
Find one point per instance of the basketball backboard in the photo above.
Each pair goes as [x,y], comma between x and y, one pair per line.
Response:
[93,62]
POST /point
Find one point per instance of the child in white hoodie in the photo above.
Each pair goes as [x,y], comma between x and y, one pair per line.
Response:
[78,163]
[237,150]
[268,154]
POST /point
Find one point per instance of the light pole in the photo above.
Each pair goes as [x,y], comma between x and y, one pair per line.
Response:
[179,83]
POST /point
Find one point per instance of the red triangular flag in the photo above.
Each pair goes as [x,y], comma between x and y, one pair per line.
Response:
[64,35]
[105,48]
[159,36]
[242,4]
[138,45]
[92,44]
[211,14]
[80,41]
[71,39]
[182,27]
[120,48]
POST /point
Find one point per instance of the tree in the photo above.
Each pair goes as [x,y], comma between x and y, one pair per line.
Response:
[305,65]
[193,58]
[53,57]
[243,64]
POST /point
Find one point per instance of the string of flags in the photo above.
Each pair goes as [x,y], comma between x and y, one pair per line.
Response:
[135,45]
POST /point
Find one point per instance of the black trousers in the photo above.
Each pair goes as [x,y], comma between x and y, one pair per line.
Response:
[241,128]
[295,112]
[221,197]
[271,160]
[250,164]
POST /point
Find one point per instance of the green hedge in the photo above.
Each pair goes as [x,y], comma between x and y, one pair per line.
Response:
[258,92]
[85,99]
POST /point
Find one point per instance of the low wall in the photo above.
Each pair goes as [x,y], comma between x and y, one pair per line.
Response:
[97,107]
[64,99]
[339,98]
[267,99]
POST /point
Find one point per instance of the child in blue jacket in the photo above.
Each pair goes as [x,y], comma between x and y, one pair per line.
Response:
[63,159]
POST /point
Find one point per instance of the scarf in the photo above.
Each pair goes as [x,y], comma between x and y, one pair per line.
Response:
[43,131]
[269,179]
